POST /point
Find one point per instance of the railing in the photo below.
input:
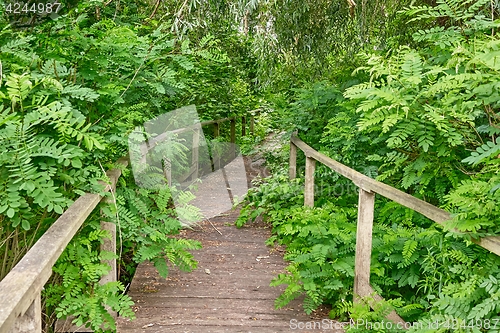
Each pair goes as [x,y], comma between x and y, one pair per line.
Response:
[20,290]
[366,205]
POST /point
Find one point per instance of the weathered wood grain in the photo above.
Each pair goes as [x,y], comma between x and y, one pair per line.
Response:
[31,322]
[228,292]
[366,207]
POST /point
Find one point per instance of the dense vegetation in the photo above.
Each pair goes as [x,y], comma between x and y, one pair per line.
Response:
[403,91]
[72,89]
[421,116]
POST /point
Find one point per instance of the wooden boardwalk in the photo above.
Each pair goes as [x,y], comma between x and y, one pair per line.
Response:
[229,292]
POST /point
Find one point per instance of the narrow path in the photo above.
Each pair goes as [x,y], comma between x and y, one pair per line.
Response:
[229,292]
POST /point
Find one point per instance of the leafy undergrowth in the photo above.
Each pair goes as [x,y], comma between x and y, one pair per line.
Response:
[423,119]
[422,272]
[72,90]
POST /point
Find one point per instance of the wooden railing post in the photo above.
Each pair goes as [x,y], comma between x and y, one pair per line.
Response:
[243,126]
[31,321]
[292,172]
[233,130]
[109,244]
[309,186]
[364,232]
[366,206]
[195,157]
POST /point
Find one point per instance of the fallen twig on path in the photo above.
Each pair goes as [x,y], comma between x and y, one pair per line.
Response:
[214,227]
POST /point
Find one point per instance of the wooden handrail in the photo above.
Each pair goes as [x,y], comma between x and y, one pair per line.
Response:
[21,287]
[20,290]
[159,138]
[366,206]
[491,243]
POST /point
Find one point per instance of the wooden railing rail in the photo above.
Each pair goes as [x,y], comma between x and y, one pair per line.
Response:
[366,206]
[159,138]
[20,290]
[196,128]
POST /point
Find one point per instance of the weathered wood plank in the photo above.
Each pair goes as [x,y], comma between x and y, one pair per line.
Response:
[167,170]
[152,142]
[309,186]
[216,130]
[491,243]
[109,245]
[375,298]
[366,208]
[233,137]
[35,268]
[215,328]
[364,232]
[159,138]
[28,277]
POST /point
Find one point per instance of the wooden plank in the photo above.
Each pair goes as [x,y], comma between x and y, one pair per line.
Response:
[243,126]
[364,230]
[109,245]
[309,186]
[29,276]
[151,143]
[233,131]
[216,327]
[33,271]
[233,138]
[31,322]
[292,172]
[167,170]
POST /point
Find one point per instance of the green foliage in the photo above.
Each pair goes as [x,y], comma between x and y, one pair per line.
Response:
[151,213]
[421,272]
[71,91]
[80,268]
[39,137]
